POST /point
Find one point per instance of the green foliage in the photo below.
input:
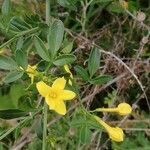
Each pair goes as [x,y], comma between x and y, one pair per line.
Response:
[13,76]
[68,48]
[21,59]
[7,63]
[94,61]
[55,36]
[101,79]
[64,59]
[18,24]
[11,113]
[82,73]
[70,37]
[6,7]
[41,49]
[10,99]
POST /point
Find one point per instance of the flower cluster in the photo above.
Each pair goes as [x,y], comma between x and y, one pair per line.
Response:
[115,133]
[56,95]
[32,72]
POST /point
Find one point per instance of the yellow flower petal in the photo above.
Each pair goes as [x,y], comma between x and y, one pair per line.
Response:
[43,88]
[59,83]
[124,109]
[67,95]
[60,107]
[115,133]
[124,4]
[66,67]
[70,82]
[50,102]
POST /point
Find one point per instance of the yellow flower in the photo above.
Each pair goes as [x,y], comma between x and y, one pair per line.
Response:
[122,109]
[124,4]
[56,94]
[68,71]
[115,133]
[32,72]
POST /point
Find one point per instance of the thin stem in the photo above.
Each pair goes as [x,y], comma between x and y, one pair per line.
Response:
[48,11]
[44,126]
[45,104]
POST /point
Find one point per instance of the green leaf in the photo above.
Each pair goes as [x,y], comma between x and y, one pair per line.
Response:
[18,24]
[13,76]
[81,72]
[11,113]
[21,59]
[55,36]
[9,100]
[6,7]
[101,79]
[7,63]
[115,7]
[64,59]
[67,49]
[84,134]
[41,49]
[94,61]
[71,4]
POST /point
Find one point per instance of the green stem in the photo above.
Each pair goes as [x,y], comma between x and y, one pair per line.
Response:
[18,35]
[48,11]
[44,126]
[45,105]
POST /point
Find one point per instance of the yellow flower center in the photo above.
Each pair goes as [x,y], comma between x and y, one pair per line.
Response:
[52,94]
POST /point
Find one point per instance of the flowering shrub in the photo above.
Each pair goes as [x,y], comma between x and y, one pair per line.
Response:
[58,85]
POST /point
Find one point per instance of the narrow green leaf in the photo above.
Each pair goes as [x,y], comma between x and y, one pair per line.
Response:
[7,63]
[13,76]
[41,49]
[18,24]
[21,59]
[64,59]
[84,134]
[11,113]
[102,79]
[81,72]
[55,36]
[6,7]
[94,61]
